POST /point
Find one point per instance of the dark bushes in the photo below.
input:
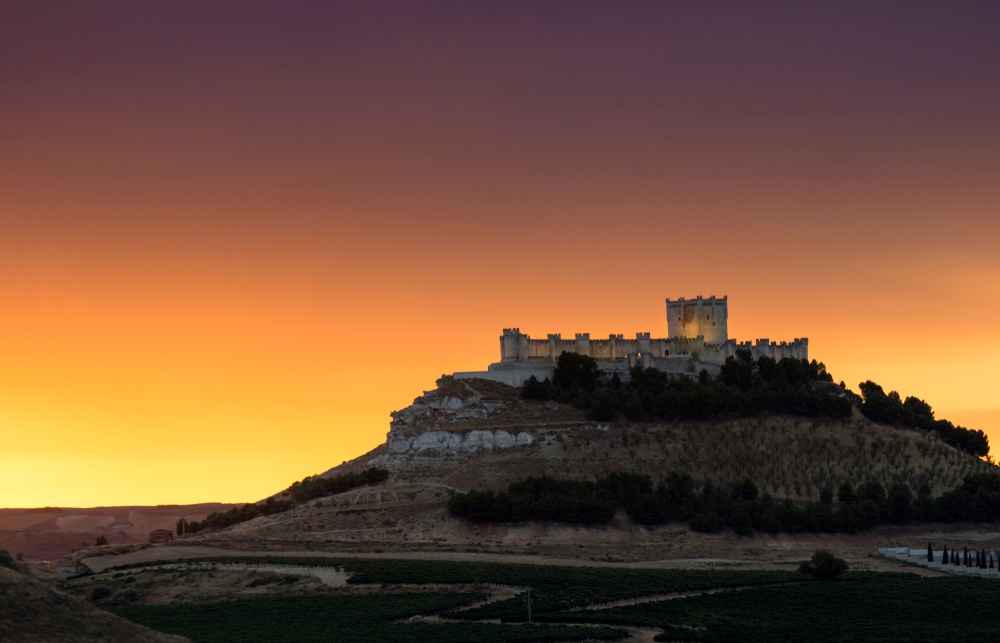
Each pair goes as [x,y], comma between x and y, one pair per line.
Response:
[307,489]
[316,487]
[824,565]
[915,413]
[737,505]
[744,388]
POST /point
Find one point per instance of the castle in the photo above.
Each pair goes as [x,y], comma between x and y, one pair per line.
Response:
[697,338]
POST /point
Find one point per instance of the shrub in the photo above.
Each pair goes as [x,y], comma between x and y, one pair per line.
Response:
[7,561]
[824,565]
[98,592]
[125,596]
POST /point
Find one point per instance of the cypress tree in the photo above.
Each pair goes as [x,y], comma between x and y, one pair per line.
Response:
[945,559]
[965,556]
[930,553]
[978,561]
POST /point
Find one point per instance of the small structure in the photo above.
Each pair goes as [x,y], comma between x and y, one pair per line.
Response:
[161,536]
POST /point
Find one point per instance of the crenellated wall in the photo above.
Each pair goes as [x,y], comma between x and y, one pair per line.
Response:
[698,337]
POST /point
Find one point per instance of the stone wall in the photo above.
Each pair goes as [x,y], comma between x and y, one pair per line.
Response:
[698,337]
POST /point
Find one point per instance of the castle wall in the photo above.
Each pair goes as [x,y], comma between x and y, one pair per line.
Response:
[698,338]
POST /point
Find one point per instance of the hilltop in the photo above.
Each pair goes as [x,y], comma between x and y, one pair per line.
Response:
[478,434]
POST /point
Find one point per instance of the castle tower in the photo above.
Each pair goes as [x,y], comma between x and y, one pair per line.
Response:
[510,345]
[700,317]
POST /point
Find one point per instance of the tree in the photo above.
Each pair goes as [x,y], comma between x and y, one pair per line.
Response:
[824,565]
[101,540]
[575,373]
[603,406]
[846,494]
[899,505]
[535,390]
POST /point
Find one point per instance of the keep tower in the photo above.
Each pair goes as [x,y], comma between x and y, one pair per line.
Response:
[700,317]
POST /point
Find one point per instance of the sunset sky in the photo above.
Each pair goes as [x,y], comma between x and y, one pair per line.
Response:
[234,236]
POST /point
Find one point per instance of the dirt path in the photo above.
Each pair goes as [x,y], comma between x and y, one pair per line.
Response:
[331,576]
[656,598]
[182,552]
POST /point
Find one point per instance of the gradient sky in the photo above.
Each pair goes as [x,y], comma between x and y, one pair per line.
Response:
[234,236]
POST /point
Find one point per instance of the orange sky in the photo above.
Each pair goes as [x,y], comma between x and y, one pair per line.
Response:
[233,240]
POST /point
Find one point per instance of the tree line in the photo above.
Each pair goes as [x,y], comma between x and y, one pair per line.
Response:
[300,492]
[913,412]
[738,505]
[745,387]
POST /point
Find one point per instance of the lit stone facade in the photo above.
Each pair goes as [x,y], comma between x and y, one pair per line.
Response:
[698,338]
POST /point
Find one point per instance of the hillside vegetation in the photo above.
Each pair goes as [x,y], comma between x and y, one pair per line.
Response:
[745,388]
[31,610]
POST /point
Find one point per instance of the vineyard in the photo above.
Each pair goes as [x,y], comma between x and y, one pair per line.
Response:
[593,603]
[883,607]
[321,619]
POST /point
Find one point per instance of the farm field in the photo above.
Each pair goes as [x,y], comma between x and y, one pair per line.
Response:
[319,619]
[431,600]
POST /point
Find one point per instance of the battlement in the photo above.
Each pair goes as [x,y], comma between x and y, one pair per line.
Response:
[697,335]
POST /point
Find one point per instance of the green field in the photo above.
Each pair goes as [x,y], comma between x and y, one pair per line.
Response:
[747,606]
[322,619]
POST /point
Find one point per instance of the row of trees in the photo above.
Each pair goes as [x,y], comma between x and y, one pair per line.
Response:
[745,387]
[982,558]
[551,499]
[221,519]
[738,505]
[317,487]
[301,491]
[913,412]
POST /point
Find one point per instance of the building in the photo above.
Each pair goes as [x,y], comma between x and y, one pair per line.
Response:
[161,536]
[697,338]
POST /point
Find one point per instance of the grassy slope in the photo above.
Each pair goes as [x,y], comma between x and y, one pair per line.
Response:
[33,611]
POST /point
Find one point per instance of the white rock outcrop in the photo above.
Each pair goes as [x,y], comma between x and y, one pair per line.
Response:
[431,427]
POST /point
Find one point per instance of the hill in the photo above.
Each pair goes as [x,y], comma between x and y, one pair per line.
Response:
[50,532]
[478,434]
[33,611]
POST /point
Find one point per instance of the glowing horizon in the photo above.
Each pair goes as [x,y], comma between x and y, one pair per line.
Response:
[232,242]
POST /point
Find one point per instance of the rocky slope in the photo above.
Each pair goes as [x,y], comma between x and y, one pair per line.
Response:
[470,434]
